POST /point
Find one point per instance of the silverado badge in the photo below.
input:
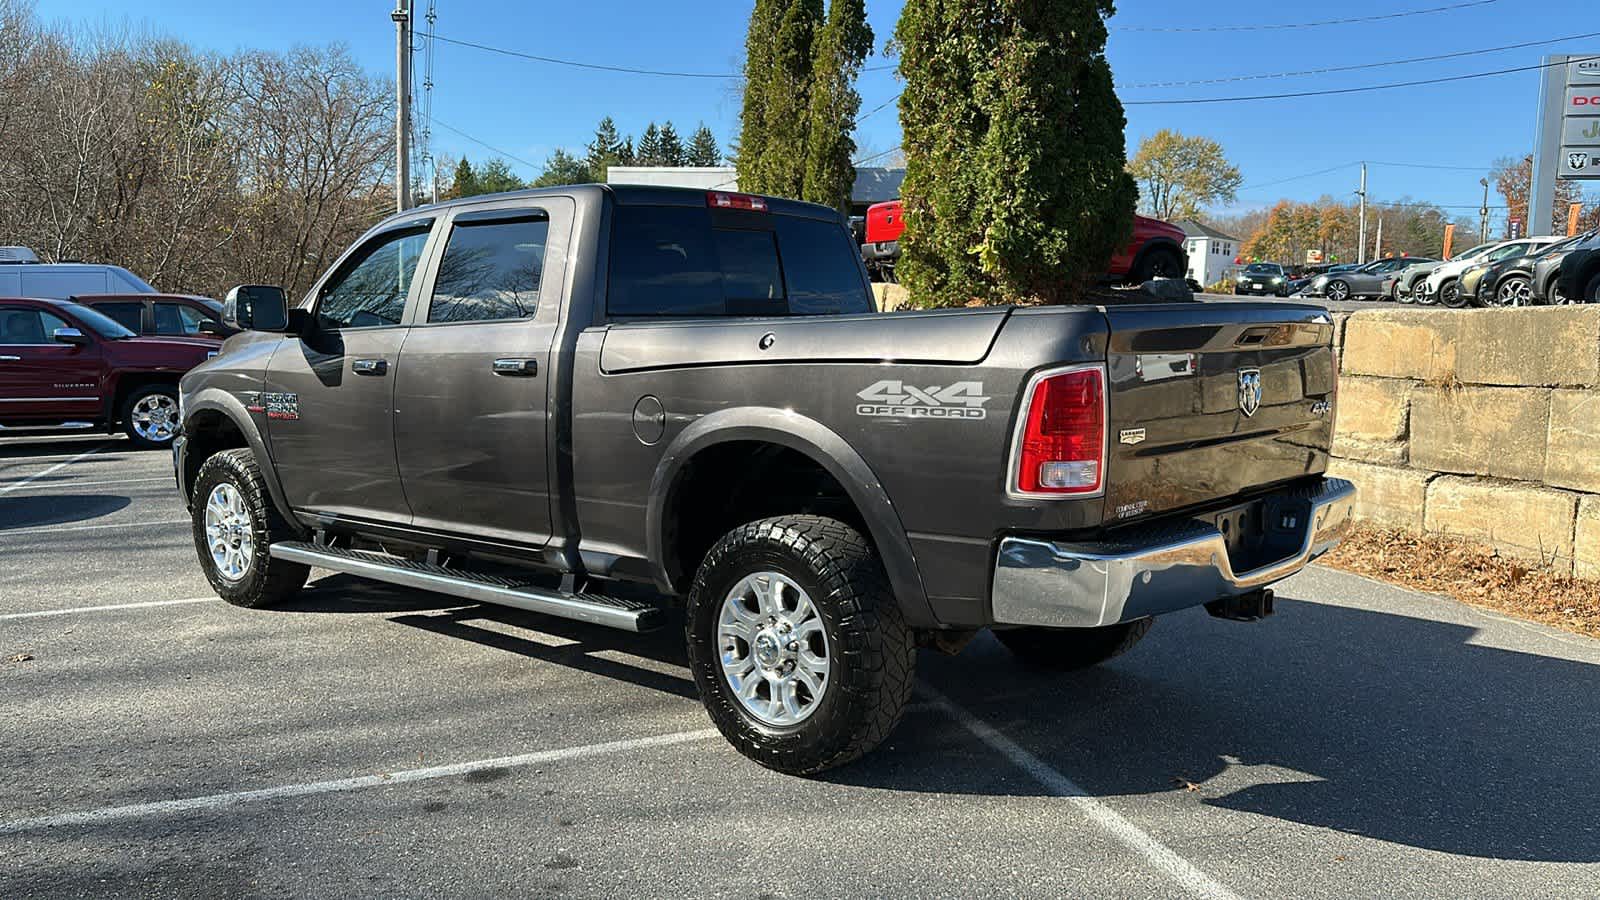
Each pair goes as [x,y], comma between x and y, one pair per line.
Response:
[1249,391]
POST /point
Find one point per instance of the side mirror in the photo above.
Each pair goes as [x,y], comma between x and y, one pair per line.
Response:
[70,336]
[256,307]
[212,328]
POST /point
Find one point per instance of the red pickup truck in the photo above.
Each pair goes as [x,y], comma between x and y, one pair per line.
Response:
[63,365]
[1155,251]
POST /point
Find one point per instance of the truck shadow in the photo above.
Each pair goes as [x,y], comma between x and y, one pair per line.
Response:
[1379,725]
[69,443]
[56,509]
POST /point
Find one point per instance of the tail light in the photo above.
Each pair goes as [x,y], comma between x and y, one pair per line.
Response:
[724,200]
[1061,440]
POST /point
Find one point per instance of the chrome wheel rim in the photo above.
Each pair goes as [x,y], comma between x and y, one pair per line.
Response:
[774,651]
[1557,296]
[1338,291]
[1516,292]
[155,417]
[230,535]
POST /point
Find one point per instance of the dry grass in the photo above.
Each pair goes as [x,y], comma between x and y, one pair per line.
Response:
[1472,574]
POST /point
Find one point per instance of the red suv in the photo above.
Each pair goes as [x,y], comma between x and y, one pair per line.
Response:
[63,365]
[1155,251]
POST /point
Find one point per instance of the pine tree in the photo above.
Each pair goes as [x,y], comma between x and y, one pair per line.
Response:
[781,168]
[466,181]
[1016,186]
[703,149]
[842,46]
[648,150]
[758,43]
[563,168]
[672,152]
[625,154]
[605,150]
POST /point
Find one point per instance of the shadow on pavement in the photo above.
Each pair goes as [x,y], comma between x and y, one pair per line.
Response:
[56,509]
[21,448]
[1379,725]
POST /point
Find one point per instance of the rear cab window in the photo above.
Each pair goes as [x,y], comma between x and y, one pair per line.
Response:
[685,261]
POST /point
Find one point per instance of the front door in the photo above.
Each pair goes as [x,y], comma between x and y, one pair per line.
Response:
[42,379]
[471,391]
[329,394]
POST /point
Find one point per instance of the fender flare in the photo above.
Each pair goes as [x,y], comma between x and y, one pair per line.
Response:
[824,447]
[217,400]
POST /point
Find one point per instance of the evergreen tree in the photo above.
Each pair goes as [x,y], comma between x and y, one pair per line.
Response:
[605,150]
[781,169]
[496,176]
[842,46]
[1016,186]
[703,149]
[466,181]
[563,168]
[672,152]
[758,43]
[648,150]
[625,155]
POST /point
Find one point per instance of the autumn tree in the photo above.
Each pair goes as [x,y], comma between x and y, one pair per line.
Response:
[1513,179]
[1179,174]
[1015,188]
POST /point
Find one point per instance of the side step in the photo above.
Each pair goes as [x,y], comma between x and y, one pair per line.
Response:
[596,609]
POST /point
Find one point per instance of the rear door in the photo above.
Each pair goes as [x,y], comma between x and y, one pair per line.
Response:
[329,397]
[41,378]
[472,385]
[1211,400]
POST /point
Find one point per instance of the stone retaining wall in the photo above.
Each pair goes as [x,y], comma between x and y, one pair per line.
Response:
[1483,424]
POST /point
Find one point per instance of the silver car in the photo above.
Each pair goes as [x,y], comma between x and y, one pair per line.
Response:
[1362,281]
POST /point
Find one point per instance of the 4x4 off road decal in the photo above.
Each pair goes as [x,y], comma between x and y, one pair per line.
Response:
[896,399]
[275,405]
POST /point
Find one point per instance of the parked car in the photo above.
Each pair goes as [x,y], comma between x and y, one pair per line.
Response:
[1266,279]
[1410,281]
[1443,284]
[1358,283]
[161,313]
[1547,270]
[1156,250]
[695,396]
[1579,278]
[64,365]
[22,275]
[1509,282]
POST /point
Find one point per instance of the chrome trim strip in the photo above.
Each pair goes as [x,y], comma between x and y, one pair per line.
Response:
[1022,424]
[90,398]
[550,603]
[1163,569]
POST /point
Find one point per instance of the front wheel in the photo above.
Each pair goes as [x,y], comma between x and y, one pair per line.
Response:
[797,645]
[1514,291]
[150,416]
[234,525]
[1066,649]
[1337,291]
[1591,294]
[1450,295]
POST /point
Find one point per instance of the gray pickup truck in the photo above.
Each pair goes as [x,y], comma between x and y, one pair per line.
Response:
[623,405]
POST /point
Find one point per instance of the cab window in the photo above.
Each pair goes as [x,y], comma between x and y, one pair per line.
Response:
[128,315]
[490,270]
[370,289]
[176,318]
[24,327]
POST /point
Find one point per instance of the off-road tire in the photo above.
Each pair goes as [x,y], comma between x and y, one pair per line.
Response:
[1163,262]
[125,415]
[1067,649]
[267,581]
[872,649]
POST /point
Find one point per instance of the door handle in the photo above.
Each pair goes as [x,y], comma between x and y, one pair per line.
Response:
[10,359]
[522,367]
[370,366]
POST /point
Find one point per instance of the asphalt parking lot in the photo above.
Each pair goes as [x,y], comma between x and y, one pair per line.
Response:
[371,741]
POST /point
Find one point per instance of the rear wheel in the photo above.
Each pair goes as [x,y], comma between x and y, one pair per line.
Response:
[1591,294]
[797,645]
[1065,649]
[150,416]
[1160,262]
[234,525]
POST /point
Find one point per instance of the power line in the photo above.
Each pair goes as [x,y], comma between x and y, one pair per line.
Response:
[602,67]
[488,146]
[1430,166]
[1281,27]
[1263,184]
[1357,67]
[1353,90]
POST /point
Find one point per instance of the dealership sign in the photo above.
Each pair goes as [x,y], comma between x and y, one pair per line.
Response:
[1579,153]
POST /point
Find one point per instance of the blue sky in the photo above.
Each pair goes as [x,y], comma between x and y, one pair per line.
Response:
[527,109]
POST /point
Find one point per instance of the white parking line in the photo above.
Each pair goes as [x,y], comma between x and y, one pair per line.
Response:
[76,484]
[51,529]
[74,610]
[218,801]
[55,468]
[1180,870]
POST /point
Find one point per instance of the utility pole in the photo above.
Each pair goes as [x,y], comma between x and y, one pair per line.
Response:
[1361,251]
[1483,213]
[1377,250]
[402,104]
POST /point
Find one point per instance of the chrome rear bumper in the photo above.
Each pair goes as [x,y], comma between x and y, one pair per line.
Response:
[1163,568]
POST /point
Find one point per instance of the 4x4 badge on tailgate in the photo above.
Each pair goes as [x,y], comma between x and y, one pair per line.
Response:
[893,398]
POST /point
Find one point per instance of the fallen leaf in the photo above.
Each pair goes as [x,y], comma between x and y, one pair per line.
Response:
[19,657]
[1185,783]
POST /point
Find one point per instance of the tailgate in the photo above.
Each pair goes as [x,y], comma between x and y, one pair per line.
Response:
[1211,400]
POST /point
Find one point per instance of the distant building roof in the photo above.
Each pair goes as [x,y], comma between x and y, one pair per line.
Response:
[873,184]
[1200,230]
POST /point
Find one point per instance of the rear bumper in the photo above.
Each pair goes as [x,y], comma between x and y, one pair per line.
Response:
[1164,568]
[881,251]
